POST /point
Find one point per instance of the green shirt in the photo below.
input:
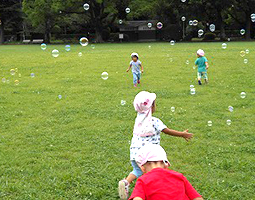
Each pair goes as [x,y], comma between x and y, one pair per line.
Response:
[200,62]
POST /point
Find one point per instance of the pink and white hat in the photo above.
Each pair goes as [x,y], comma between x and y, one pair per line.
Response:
[200,52]
[143,101]
[151,152]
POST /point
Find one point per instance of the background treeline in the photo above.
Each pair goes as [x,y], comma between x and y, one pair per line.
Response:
[66,20]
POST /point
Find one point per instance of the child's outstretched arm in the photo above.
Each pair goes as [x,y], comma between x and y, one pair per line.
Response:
[185,134]
[129,68]
[207,65]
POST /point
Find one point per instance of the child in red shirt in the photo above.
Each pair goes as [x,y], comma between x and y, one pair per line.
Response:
[158,182]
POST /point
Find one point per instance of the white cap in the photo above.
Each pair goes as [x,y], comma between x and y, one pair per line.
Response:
[200,52]
[134,54]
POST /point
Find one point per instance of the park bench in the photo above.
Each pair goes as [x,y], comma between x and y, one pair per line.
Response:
[36,41]
[26,41]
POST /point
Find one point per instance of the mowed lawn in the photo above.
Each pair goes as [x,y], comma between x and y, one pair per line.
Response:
[77,147]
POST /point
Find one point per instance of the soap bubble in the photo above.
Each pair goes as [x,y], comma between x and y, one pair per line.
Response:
[253,17]
[43,46]
[12,72]
[228,122]
[3,80]
[247,51]
[93,46]
[229,39]
[183,1]
[212,27]
[242,31]
[86,6]
[84,41]
[159,25]
[195,22]
[80,54]
[55,53]
[209,123]
[60,96]
[149,46]
[242,53]
[149,25]
[224,46]
[191,86]
[122,102]
[200,32]
[190,22]
[230,108]
[173,109]
[104,75]
[32,75]
[127,10]
[192,91]
[183,18]
[120,21]
[194,67]
[16,82]
[187,62]
[172,42]
[67,47]
[245,61]
[243,95]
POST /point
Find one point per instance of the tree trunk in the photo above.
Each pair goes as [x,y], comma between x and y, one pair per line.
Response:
[1,33]
[47,32]
[222,27]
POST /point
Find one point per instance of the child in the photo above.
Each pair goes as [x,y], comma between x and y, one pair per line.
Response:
[158,182]
[136,64]
[202,64]
[146,131]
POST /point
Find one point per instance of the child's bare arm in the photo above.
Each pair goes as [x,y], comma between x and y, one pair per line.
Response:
[142,68]
[185,134]
[207,65]
[128,68]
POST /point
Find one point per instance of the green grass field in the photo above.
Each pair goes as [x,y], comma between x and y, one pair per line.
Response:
[77,147]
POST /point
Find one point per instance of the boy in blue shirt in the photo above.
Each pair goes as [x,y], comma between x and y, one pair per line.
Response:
[135,64]
[202,66]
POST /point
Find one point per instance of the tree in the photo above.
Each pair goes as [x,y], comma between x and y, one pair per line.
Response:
[10,16]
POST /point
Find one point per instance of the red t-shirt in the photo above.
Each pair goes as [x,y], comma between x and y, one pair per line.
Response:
[164,184]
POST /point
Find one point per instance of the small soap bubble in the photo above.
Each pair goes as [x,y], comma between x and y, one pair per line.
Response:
[12,72]
[200,32]
[149,46]
[224,46]
[228,122]
[183,18]
[104,75]
[242,31]
[16,82]
[122,102]
[242,53]
[247,51]
[60,96]
[93,46]
[80,54]
[230,108]
[245,61]
[191,86]
[192,91]
[149,25]
[173,109]
[43,46]
[187,62]
[253,17]
[159,25]
[86,6]
[229,39]
[84,41]
[120,21]
[243,95]
[32,75]
[3,80]
[127,10]
[209,123]
[55,53]
[172,42]
[190,22]
[67,47]
[195,22]
[212,27]
[183,1]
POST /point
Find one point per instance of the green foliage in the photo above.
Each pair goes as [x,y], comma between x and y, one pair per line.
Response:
[209,36]
[77,147]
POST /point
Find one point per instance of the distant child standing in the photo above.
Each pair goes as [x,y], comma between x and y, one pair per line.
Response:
[146,131]
[137,68]
[202,66]
[158,182]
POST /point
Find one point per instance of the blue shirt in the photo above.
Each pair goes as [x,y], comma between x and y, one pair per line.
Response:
[200,62]
[136,66]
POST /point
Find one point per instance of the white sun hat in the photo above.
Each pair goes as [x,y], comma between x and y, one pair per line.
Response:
[134,54]
[200,52]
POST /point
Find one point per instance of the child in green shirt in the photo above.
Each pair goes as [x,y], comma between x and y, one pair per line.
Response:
[202,66]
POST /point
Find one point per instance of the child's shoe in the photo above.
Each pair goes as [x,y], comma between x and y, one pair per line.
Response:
[135,85]
[138,82]
[123,189]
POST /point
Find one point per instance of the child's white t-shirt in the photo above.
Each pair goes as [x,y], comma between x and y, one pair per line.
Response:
[137,141]
[135,66]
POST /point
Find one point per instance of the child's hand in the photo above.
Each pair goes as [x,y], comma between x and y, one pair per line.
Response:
[142,71]
[186,135]
[207,67]
[127,70]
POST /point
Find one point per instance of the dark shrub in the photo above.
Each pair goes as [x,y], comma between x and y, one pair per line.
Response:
[209,36]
